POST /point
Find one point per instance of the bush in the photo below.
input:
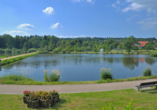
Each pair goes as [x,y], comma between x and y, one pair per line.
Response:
[63,51]
[2,51]
[31,50]
[55,51]
[51,77]
[153,54]
[105,74]
[147,72]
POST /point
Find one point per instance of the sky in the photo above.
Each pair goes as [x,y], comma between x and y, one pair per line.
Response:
[79,18]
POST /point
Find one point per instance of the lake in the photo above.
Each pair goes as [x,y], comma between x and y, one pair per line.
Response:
[82,67]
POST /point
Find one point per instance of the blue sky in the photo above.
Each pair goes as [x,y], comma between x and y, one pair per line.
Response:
[79,18]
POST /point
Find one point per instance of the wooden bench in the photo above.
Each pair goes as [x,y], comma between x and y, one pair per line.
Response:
[147,84]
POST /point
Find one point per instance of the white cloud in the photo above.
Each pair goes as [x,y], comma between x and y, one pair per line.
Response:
[48,10]
[57,25]
[148,23]
[136,5]
[14,33]
[133,6]
[113,5]
[26,26]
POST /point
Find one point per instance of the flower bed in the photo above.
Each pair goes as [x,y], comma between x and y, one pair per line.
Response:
[40,98]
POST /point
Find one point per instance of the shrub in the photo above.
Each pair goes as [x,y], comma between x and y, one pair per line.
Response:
[31,50]
[63,51]
[68,52]
[147,72]
[105,74]
[55,51]
[51,77]
[153,54]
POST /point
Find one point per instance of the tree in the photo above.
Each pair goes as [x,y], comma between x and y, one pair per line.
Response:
[127,45]
[149,46]
[46,47]
[26,46]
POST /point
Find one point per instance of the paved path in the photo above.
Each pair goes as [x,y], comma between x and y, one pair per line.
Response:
[17,56]
[77,88]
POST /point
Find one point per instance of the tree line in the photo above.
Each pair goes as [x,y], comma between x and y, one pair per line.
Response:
[52,43]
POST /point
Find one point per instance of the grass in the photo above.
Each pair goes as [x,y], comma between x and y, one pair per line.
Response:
[14,79]
[11,60]
[90,100]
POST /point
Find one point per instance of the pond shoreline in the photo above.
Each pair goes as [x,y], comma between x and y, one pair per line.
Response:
[27,81]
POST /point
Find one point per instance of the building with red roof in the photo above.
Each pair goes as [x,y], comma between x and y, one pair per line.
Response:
[142,43]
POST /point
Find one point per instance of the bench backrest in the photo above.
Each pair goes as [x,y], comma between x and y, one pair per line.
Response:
[148,83]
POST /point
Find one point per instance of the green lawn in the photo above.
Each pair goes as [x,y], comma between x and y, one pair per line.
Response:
[90,101]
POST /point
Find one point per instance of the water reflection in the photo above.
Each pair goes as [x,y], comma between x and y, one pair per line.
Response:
[80,64]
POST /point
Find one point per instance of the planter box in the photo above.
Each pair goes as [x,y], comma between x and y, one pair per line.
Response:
[25,99]
[44,103]
[56,98]
[33,104]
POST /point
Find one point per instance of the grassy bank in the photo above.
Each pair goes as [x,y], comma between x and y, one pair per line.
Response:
[90,101]
[22,80]
[11,60]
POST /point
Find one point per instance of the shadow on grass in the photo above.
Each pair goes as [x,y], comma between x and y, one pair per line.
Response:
[152,91]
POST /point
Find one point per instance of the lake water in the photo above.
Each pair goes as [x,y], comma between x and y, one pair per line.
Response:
[82,67]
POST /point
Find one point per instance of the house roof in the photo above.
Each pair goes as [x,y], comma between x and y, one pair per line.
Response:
[142,43]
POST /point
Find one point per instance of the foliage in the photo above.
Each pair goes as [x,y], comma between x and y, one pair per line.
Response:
[25,81]
[149,46]
[63,51]
[27,93]
[105,74]
[55,51]
[33,96]
[153,54]
[51,42]
[2,51]
[147,72]
[127,44]
[31,50]
[53,93]
[54,76]
[16,77]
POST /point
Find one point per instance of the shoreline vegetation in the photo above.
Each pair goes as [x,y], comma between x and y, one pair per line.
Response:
[23,80]
[12,60]
[152,53]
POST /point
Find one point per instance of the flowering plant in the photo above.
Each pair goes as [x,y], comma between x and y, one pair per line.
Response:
[53,93]
[45,96]
[33,96]
[26,93]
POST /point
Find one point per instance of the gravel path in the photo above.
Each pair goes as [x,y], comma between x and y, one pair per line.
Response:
[17,56]
[77,88]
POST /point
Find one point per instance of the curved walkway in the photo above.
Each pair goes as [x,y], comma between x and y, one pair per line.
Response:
[17,56]
[77,88]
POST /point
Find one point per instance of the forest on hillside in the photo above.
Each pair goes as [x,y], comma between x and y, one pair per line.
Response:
[52,43]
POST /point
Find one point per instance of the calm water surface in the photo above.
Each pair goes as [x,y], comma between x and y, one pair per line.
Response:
[82,67]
